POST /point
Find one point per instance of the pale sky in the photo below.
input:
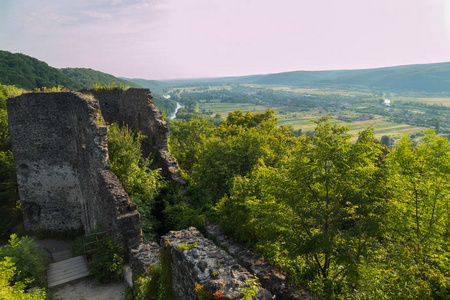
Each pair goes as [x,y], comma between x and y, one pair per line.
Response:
[167,39]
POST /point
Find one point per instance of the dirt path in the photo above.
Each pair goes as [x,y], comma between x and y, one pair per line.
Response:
[86,290]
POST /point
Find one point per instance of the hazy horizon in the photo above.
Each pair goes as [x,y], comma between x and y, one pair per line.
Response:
[176,39]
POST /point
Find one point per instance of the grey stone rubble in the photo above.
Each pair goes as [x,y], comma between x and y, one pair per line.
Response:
[271,277]
[143,258]
[206,264]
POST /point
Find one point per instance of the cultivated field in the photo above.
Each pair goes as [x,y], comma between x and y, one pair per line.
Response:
[299,120]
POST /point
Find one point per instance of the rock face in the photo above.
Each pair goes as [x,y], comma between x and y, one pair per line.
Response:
[60,152]
[195,259]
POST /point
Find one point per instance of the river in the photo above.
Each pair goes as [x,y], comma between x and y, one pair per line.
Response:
[174,114]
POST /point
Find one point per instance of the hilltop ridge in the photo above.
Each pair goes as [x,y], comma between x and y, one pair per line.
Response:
[29,73]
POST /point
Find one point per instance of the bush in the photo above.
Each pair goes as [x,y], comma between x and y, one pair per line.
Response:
[106,261]
[28,260]
[10,290]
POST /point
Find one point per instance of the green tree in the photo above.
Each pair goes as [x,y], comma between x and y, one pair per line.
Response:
[385,140]
[419,215]
[187,140]
[322,203]
[333,183]
[241,142]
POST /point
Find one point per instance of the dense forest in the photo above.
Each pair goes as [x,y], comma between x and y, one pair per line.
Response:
[88,77]
[348,220]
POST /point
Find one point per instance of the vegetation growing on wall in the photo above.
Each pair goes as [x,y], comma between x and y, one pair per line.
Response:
[10,214]
[156,283]
[140,182]
[111,86]
[350,220]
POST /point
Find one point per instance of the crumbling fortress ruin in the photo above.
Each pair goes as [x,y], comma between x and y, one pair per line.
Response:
[60,151]
[59,143]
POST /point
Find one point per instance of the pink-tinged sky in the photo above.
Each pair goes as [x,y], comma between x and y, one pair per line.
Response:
[163,39]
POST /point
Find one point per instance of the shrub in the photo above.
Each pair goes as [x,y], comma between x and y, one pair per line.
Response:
[106,261]
[28,260]
[10,290]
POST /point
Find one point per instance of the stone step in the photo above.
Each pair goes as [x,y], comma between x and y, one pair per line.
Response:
[62,255]
[67,270]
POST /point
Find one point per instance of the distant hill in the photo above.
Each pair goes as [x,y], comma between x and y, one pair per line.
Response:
[155,86]
[426,77]
[27,72]
[434,78]
[89,77]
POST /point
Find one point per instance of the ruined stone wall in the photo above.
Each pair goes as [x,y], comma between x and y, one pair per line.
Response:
[206,264]
[61,159]
[49,134]
[135,108]
[270,276]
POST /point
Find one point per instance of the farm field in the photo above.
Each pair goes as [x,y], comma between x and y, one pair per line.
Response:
[302,121]
[437,101]
[223,109]
[311,91]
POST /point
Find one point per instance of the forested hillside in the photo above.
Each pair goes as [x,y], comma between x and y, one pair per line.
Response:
[29,73]
[154,85]
[88,77]
[429,78]
[432,78]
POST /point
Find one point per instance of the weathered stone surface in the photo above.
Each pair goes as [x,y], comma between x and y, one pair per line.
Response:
[143,257]
[56,146]
[204,263]
[271,277]
[61,159]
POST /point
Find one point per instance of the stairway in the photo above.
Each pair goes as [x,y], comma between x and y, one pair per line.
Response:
[66,268]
